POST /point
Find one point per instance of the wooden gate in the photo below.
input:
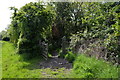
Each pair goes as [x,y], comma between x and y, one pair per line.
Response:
[44,49]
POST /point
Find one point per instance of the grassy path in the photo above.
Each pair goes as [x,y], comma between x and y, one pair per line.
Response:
[13,66]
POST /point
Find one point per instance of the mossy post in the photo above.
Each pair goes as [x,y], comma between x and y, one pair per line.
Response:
[64,45]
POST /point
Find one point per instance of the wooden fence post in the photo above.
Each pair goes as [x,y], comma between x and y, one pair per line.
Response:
[64,45]
[45,50]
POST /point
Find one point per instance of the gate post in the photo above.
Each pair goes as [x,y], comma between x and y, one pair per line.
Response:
[64,45]
[45,50]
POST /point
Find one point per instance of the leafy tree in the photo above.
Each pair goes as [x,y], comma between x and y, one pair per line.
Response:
[13,29]
[28,27]
[3,34]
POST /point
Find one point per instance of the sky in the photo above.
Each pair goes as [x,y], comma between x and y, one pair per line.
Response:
[6,13]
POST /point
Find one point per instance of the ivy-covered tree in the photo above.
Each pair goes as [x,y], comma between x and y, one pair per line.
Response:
[29,25]
[13,29]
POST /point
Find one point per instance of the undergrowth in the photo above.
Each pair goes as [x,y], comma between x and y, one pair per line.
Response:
[86,67]
[14,66]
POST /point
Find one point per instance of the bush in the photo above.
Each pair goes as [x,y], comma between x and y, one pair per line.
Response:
[61,55]
[33,28]
[85,67]
[70,56]
[112,45]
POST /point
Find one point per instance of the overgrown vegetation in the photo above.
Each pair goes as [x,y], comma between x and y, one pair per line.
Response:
[79,21]
[70,56]
[28,27]
[4,36]
[15,66]
[67,29]
[86,67]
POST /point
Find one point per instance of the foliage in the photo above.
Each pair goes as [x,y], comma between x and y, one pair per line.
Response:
[4,34]
[100,23]
[61,55]
[70,56]
[13,29]
[87,20]
[91,28]
[30,25]
[86,67]
[112,46]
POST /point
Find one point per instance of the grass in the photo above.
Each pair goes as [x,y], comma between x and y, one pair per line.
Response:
[86,67]
[14,66]
[0,60]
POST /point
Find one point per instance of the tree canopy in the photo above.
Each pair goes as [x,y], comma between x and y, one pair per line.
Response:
[52,21]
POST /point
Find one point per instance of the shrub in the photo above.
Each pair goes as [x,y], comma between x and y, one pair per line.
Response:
[33,28]
[61,55]
[70,56]
[112,45]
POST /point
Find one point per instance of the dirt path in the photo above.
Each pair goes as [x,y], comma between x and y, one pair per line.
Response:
[55,67]
[55,63]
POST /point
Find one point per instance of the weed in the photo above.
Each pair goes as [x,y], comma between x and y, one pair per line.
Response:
[86,67]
